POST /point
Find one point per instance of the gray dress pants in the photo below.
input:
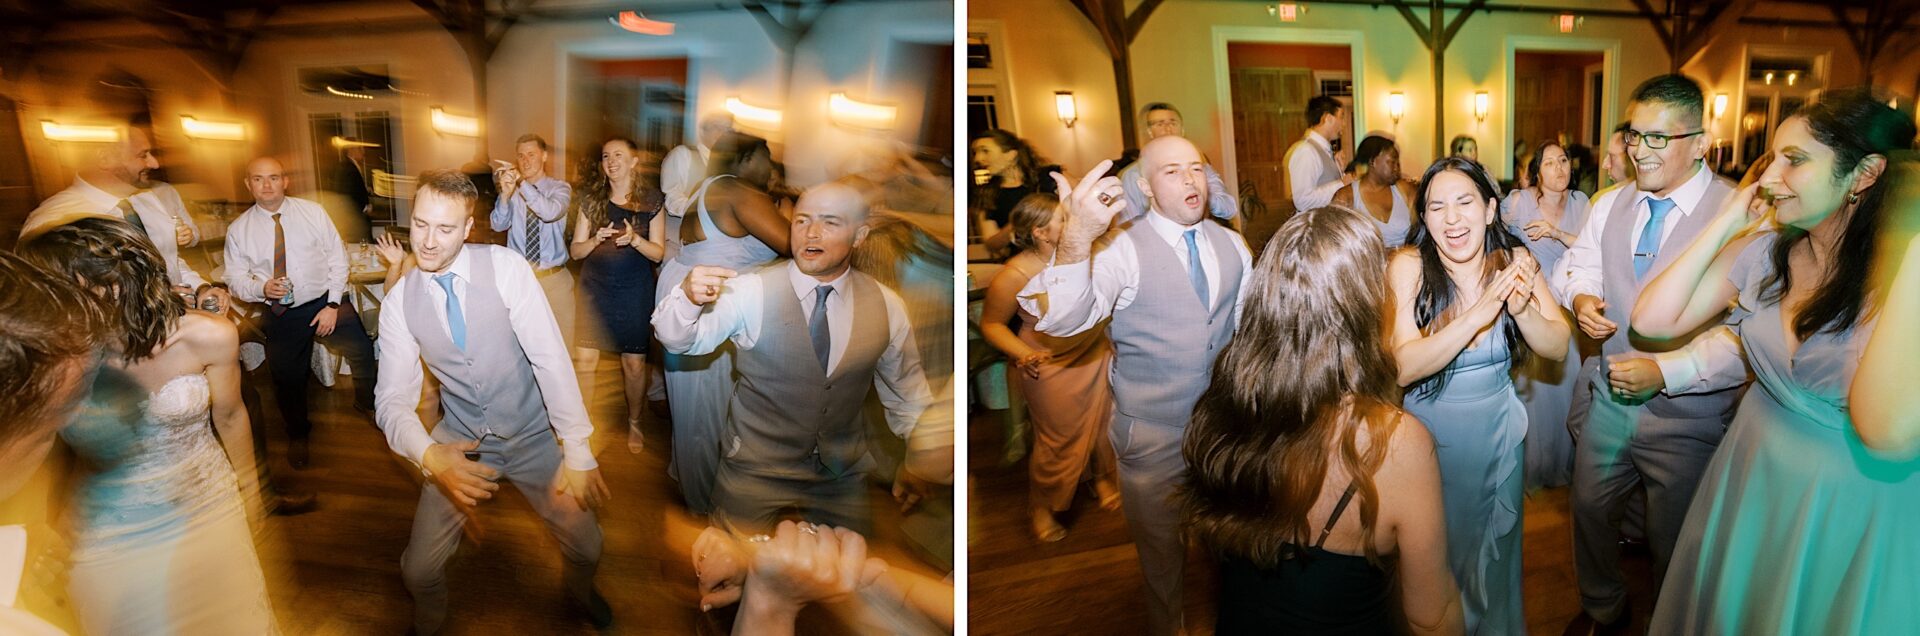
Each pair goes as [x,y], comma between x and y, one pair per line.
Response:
[1150,468]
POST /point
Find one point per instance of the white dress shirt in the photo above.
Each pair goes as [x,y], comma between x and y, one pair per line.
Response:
[401,373]
[681,174]
[1713,360]
[1070,299]
[686,329]
[316,258]
[1307,175]
[13,570]
[157,206]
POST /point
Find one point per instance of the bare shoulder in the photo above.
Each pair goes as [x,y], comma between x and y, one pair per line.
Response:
[1410,452]
[208,334]
[1403,266]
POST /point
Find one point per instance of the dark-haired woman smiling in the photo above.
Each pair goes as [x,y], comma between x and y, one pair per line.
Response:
[1302,475]
[1805,520]
[1469,302]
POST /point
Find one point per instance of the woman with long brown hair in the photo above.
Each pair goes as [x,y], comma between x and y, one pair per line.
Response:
[1299,425]
[1064,379]
[618,234]
[1469,304]
[162,511]
[1537,215]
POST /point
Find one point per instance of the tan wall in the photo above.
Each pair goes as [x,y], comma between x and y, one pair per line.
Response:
[1051,47]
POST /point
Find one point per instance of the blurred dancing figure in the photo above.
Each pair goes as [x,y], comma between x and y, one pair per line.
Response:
[532,210]
[734,226]
[285,253]
[474,315]
[1064,379]
[113,182]
[1469,303]
[50,334]
[1172,286]
[618,237]
[814,338]
[1541,216]
[162,503]
[1006,169]
[1302,418]
[1803,521]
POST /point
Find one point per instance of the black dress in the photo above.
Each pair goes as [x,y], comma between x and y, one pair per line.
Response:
[1312,592]
[997,202]
[617,283]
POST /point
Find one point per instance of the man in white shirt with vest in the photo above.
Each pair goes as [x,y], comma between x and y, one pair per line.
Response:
[285,253]
[475,316]
[1161,119]
[114,182]
[814,338]
[1313,174]
[1172,286]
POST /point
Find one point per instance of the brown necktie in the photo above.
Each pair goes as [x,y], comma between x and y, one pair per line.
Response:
[279,261]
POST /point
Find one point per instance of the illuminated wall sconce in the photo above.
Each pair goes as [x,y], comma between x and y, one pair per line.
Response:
[1481,103]
[1063,106]
[637,23]
[69,132]
[1719,105]
[1286,11]
[454,124]
[1767,78]
[754,116]
[1792,77]
[1396,106]
[212,130]
[1566,22]
[847,112]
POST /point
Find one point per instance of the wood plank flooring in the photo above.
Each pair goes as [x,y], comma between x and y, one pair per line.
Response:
[1090,583]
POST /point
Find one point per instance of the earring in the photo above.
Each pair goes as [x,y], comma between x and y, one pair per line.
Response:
[1853,197]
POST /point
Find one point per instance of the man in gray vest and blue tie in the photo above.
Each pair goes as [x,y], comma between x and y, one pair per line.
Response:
[1168,289]
[814,338]
[1659,408]
[512,408]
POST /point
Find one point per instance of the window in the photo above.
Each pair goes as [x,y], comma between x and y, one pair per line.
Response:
[979,54]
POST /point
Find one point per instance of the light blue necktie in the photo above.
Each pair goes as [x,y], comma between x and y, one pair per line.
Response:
[817,327]
[456,321]
[1649,246]
[1194,273]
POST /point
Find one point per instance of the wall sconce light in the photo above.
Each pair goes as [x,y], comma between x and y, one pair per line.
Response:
[1481,103]
[847,112]
[1719,105]
[212,130]
[1792,76]
[637,23]
[1396,106]
[69,132]
[1767,78]
[1064,108]
[455,124]
[755,116]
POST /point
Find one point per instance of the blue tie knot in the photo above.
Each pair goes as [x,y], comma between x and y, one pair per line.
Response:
[1660,207]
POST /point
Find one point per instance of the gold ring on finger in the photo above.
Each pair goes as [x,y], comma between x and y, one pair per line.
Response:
[1106,199]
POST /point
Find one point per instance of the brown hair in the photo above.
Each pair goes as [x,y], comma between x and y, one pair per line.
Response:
[1034,211]
[448,183]
[1307,371]
[127,275]
[594,189]
[45,324]
[536,139]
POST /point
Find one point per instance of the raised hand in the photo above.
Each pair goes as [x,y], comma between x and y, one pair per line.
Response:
[462,480]
[390,249]
[1091,205]
[605,233]
[1590,312]
[1493,299]
[1524,270]
[704,283]
[1746,212]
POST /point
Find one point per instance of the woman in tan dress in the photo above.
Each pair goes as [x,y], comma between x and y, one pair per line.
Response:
[1064,379]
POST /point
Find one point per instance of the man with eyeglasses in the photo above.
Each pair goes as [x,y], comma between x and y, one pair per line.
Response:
[1658,408]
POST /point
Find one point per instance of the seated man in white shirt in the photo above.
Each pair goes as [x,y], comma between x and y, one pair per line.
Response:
[1313,174]
[474,314]
[814,338]
[284,252]
[49,333]
[113,181]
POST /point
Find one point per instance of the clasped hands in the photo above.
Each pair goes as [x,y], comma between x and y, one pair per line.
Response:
[467,482]
[1511,289]
[799,564]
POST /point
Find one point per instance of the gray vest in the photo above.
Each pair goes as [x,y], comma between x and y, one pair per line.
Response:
[785,410]
[1164,342]
[1622,289]
[489,387]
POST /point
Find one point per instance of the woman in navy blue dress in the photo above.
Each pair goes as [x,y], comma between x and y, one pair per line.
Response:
[618,235]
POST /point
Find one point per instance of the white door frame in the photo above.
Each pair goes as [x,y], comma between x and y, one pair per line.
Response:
[1223,78]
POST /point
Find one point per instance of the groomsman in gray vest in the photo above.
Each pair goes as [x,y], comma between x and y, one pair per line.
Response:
[1161,119]
[1313,174]
[476,316]
[1659,408]
[1172,286]
[814,338]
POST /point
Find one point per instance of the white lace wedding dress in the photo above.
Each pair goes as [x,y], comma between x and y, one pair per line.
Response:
[162,544]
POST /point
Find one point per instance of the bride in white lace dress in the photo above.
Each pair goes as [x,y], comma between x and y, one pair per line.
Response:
[162,544]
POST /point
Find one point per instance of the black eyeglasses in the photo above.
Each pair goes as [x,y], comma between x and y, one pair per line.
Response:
[1654,141]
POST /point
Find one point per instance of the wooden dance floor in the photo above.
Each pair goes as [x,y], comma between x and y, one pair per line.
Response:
[337,569]
[1090,583]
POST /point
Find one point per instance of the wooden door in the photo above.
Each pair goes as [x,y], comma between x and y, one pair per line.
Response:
[1269,107]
